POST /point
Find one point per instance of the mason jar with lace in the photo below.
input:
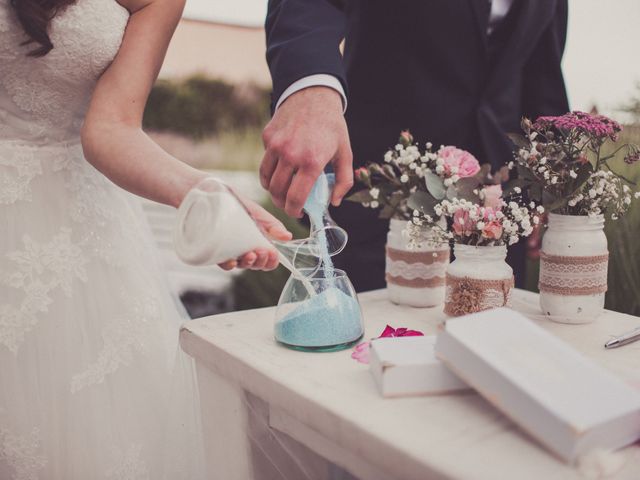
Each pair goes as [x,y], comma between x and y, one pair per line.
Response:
[415,276]
[573,268]
[478,279]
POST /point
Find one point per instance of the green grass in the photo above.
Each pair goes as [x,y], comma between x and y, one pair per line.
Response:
[624,244]
[239,150]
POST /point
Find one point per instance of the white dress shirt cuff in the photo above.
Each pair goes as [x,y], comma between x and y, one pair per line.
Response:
[317,80]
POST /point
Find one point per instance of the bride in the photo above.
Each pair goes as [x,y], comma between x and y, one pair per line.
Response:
[92,382]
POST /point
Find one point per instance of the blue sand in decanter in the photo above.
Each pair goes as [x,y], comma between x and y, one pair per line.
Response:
[329,318]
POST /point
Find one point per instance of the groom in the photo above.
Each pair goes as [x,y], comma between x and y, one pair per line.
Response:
[457,72]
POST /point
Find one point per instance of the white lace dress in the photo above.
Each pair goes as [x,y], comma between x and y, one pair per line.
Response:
[92,382]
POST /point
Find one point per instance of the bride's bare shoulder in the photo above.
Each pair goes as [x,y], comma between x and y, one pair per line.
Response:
[136,5]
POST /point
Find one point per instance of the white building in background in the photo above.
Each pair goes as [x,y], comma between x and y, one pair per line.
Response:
[220,50]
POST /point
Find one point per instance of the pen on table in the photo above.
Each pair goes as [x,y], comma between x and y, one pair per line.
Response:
[624,339]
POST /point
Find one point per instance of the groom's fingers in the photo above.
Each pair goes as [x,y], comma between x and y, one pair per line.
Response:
[268,166]
[343,168]
[279,184]
[299,190]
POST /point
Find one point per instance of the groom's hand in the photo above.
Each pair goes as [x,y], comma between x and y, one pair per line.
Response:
[306,133]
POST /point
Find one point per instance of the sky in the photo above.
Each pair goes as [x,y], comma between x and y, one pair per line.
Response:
[601,62]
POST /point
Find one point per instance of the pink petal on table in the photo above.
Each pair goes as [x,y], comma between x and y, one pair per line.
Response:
[361,352]
[412,333]
[388,332]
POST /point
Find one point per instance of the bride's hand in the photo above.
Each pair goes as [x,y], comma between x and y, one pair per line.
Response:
[260,259]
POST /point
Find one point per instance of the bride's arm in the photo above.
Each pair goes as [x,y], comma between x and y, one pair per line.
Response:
[112,136]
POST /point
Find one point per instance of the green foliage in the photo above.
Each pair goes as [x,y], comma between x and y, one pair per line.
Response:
[199,107]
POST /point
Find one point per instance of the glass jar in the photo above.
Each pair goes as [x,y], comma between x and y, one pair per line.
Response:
[319,312]
[573,268]
[478,279]
[416,276]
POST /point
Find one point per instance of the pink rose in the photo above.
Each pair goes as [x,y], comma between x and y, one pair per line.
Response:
[489,213]
[492,196]
[462,224]
[406,138]
[362,174]
[467,165]
[492,230]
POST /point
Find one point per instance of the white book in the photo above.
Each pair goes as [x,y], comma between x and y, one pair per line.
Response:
[564,400]
[407,366]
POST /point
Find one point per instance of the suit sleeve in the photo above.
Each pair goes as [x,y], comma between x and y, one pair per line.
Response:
[303,39]
[544,90]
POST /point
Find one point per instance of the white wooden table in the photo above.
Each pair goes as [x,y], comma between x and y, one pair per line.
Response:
[263,401]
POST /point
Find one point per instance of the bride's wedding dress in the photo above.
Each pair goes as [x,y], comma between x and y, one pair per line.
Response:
[92,382]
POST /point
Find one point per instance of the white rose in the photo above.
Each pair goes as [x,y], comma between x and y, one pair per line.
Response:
[375,204]
[374,192]
[404,178]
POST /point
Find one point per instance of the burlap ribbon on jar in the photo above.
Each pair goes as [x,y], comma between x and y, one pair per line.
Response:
[569,276]
[416,269]
[466,295]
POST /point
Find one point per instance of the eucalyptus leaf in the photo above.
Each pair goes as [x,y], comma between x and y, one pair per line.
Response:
[363,196]
[465,189]
[518,140]
[435,185]
[422,201]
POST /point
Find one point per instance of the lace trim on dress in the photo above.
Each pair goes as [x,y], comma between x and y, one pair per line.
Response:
[40,270]
[21,168]
[21,454]
[128,465]
[122,337]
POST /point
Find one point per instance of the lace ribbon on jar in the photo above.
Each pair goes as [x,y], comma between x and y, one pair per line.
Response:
[417,269]
[466,295]
[564,275]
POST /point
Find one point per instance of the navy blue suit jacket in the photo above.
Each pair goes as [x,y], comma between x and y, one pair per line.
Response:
[426,65]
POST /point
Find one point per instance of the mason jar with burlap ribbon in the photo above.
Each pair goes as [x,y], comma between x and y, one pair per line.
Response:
[573,268]
[415,276]
[478,279]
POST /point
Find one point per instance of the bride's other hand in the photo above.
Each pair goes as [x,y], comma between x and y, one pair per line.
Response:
[260,259]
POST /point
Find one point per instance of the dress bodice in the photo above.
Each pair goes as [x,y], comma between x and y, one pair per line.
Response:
[44,100]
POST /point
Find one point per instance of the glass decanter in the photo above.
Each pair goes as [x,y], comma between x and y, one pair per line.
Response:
[328,318]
